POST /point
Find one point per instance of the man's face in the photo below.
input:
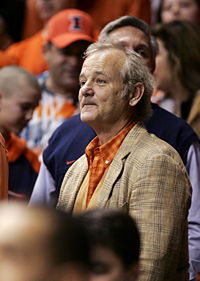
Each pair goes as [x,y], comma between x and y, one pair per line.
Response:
[65,65]
[16,109]
[180,10]
[133,38]
[24,249]
[48,8]
[101,85]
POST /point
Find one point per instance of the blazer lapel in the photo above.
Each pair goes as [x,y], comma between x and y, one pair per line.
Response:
[69,192]
[117,166]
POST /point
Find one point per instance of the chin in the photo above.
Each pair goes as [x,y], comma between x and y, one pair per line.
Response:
[87,118]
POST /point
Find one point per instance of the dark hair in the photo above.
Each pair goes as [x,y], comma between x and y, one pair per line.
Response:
[135,22]
[68,239]
[115,230]
[182,40]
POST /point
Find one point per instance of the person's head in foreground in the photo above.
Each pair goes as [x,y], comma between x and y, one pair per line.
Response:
[40,244]
[115,245]
[115,88]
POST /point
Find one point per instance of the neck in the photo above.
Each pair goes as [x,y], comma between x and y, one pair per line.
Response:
[178,92]
[108,132]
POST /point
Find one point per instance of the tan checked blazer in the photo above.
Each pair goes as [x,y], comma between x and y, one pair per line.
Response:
[148,180]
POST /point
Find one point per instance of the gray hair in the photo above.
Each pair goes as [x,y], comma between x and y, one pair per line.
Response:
[12,75]
[135,22]
[133,71]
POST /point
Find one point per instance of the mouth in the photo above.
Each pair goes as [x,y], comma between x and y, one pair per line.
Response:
[88,104]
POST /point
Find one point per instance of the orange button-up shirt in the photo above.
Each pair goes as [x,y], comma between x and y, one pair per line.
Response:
[100,156]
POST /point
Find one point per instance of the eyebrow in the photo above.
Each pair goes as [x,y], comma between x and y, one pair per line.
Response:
[143,45]
[96,72]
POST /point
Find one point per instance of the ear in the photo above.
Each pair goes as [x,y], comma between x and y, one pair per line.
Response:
[137,94]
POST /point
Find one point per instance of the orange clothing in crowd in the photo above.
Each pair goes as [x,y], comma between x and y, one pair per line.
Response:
[23,168]
[28,54]
[102,11]
[3,170]
[6,59]
[17,147]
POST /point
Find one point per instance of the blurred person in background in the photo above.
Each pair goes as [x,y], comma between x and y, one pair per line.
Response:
[170,10]
[177,76]
[178,68]
[37,10]
[19,95]
[28,53]
[68,34]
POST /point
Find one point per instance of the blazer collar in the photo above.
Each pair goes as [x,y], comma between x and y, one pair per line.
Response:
[70,192]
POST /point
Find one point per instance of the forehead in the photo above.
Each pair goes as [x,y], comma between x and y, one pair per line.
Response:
[180,1]
[103,61]
[176,1]
[23,91]
[129,34]
[76,48]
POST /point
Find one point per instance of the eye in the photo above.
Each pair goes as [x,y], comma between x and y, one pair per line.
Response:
[167,7]
[82,83]
[99,268]
[100,81]
[185,4]
[25,107]
[141,52]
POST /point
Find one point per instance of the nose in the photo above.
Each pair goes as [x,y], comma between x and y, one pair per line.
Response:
[175,9]
[86,90]
[74,60]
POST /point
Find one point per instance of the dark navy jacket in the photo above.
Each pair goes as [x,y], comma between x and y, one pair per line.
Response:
[69,141]
[21,179]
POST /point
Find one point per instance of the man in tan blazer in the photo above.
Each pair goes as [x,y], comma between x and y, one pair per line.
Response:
[126,167]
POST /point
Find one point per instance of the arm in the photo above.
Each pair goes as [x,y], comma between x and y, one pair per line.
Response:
[193,167]
[44,189]
[159,202]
